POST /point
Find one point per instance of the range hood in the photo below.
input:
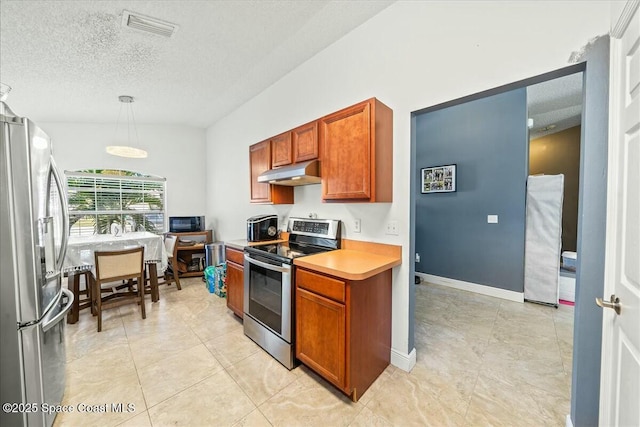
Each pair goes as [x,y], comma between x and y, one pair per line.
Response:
[303,173]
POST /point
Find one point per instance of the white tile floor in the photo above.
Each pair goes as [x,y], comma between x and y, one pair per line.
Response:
[481,361]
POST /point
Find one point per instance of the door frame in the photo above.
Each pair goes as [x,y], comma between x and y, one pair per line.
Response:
[585,388]
[609,378]
[414,184]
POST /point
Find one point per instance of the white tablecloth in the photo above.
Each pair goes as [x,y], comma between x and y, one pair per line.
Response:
[81,248]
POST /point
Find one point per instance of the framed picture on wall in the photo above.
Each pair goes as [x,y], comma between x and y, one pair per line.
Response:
[439,179]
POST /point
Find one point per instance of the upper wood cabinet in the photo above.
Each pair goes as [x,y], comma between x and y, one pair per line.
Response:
[260,161]
[281,153]
[304,140]
[298,145]
[355,146]
[357,153]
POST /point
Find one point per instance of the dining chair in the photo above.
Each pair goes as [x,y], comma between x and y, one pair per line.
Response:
[111,269]
[171,245]
[169,276]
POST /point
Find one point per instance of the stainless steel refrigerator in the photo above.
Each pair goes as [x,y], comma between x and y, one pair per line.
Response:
[33,304]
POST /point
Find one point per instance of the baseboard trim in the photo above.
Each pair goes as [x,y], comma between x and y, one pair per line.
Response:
[473,287]
[568,422]
[404,361]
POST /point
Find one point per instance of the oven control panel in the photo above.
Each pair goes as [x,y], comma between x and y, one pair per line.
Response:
[311,227]
[327,228]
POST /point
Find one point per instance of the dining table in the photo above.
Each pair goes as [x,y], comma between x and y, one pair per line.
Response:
[79,260]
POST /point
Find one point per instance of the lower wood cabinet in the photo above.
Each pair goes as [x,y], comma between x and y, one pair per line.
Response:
[235,280]
[320,342]
[343,328]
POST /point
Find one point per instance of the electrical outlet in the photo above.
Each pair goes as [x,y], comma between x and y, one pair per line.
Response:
[417,257]
[392,227]
[492,219]
[356,225]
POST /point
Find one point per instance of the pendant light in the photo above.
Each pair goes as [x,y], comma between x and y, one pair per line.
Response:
[127,150]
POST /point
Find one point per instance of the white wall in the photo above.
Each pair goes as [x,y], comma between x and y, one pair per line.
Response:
[175,152]
[410,56]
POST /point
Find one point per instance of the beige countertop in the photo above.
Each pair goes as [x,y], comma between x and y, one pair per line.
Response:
[356,261]
[239,244]
[349,264]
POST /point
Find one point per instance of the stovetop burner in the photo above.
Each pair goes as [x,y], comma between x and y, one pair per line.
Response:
[306,237]
[286,251]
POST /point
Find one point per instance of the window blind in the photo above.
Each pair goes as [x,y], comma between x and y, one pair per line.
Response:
[99,198]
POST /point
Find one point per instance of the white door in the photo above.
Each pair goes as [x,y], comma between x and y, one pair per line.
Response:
[620,378]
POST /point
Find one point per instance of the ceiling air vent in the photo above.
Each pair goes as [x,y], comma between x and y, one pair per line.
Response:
[148,24]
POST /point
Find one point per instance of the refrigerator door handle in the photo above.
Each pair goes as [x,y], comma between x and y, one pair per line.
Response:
[65,215]
[52,275]
[49,323]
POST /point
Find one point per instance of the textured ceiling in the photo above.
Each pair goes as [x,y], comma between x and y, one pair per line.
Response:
[67,61]
[555,102]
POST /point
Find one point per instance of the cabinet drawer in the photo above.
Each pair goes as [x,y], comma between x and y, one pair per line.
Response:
[234,255]
[321,285]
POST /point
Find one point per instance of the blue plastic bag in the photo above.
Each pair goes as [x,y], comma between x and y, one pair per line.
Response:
[216,279]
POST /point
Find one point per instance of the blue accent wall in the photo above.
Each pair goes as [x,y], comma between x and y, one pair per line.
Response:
[488,141]
[592,217]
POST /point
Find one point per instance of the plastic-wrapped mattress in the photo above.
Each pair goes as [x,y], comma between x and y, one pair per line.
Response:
[543,238]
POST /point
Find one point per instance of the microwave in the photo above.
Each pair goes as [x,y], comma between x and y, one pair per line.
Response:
[262,227]
[186,224]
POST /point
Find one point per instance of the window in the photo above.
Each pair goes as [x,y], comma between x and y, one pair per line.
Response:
[98,198]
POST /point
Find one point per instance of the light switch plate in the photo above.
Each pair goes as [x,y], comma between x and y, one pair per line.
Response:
[492,219]
[392,227]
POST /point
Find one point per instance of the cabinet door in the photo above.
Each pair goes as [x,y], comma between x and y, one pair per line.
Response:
[345,137]
[260,161]
[305,142]
[281,150]
[235,287]
[262,192]
[321,335]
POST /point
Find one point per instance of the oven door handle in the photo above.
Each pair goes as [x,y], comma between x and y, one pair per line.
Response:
[280,269]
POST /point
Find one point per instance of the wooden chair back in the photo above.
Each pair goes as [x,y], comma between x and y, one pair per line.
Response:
[117,266]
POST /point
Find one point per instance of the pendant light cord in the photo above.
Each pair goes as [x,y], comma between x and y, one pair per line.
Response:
[115,135]
[131,148]
[135,128]
[130,118]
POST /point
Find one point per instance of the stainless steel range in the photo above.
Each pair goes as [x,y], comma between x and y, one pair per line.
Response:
[269,284]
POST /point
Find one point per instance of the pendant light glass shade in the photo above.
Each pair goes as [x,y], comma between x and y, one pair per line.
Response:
[124,151]
[127,150]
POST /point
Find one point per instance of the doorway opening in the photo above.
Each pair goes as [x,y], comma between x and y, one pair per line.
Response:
[555,119]
[539,98]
